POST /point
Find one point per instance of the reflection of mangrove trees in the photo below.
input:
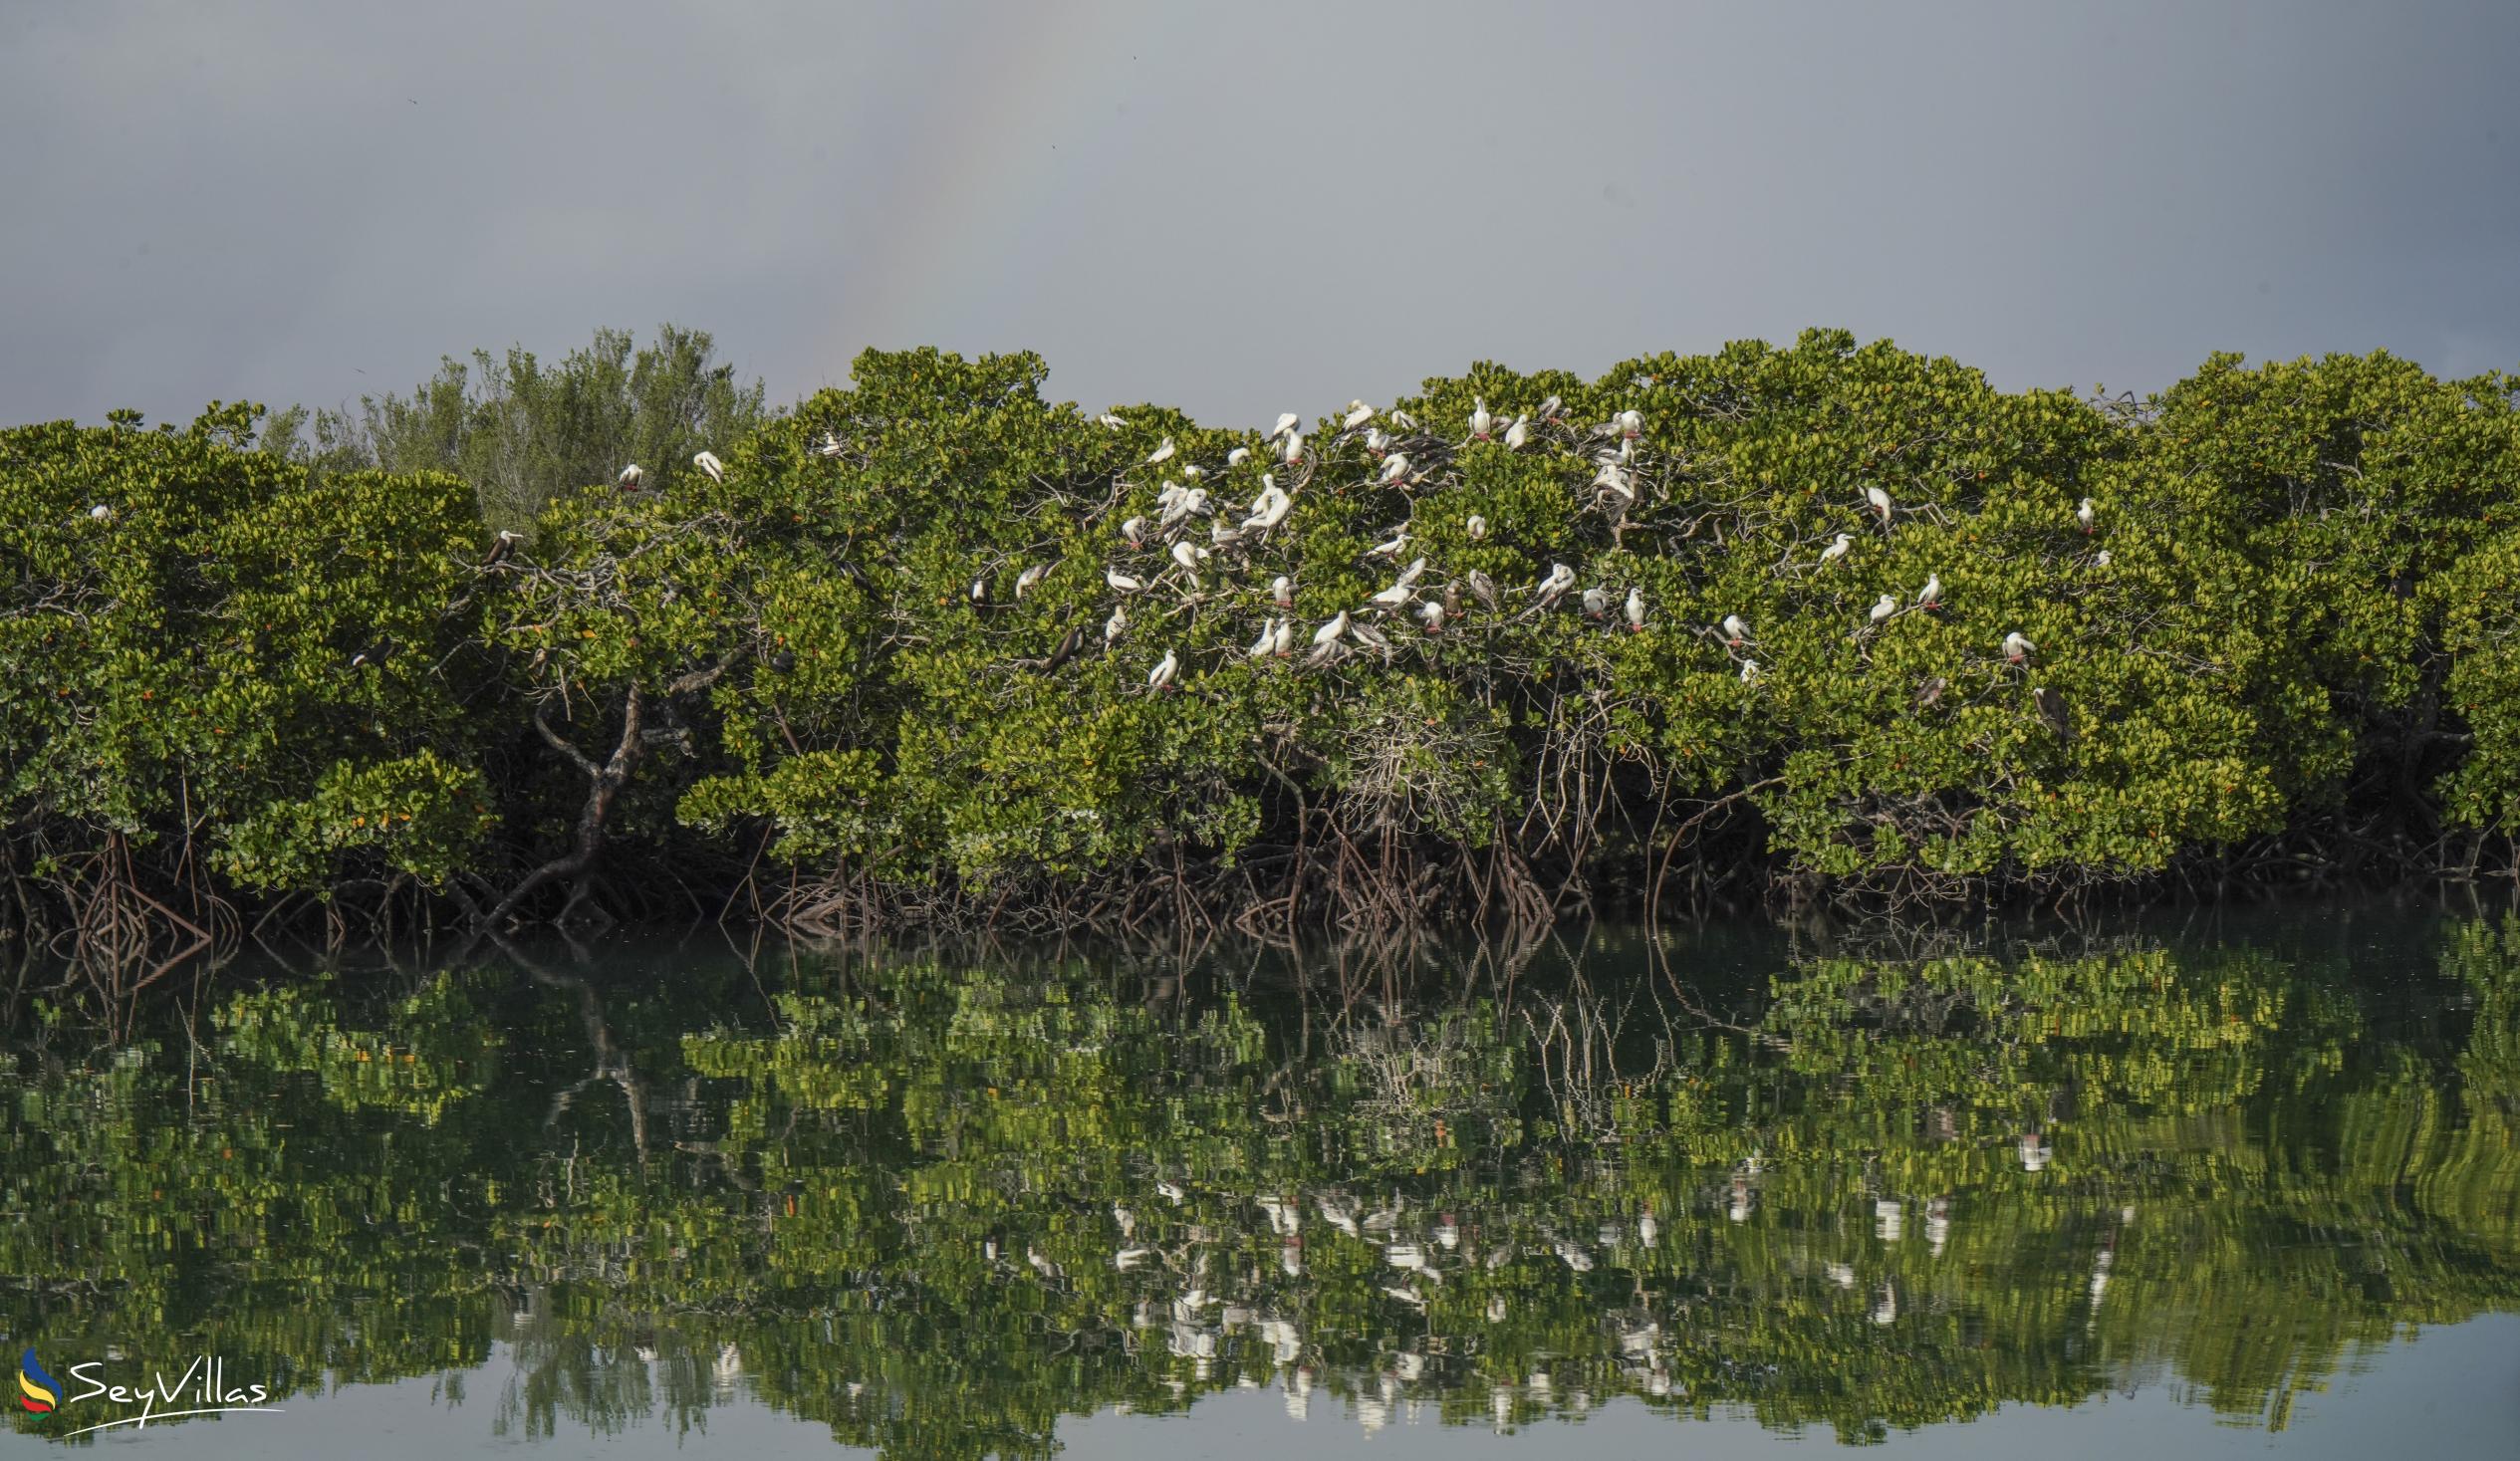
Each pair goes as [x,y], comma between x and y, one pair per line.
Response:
[938,1208]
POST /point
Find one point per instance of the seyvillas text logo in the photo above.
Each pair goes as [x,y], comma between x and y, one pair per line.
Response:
[201,1389]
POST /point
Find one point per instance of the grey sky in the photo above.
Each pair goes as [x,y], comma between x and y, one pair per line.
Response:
[1244,210]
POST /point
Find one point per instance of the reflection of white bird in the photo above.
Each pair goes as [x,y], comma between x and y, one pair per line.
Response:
[1161,454]
[1931,596]
[1836,548]
[2017,646]
[710,466]
[1884,607]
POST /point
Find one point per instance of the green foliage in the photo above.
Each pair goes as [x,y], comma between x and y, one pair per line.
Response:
[521,431]
[206,657]
[2266,615]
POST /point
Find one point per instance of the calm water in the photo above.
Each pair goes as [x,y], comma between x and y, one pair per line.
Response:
[2235,1185]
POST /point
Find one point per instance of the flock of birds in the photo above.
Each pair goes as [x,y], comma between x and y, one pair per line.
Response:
[1197,536]
[1419,1251]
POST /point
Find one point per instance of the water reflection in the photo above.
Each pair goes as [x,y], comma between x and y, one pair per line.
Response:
[938,1204]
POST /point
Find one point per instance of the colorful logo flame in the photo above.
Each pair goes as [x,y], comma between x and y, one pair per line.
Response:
[37,1390]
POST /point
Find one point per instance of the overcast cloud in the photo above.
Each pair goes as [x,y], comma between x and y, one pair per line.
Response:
[1240,210]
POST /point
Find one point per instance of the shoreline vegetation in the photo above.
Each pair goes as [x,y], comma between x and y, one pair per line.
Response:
[1827,623]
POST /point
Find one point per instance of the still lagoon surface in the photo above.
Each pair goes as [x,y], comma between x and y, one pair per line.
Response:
[2217,1184]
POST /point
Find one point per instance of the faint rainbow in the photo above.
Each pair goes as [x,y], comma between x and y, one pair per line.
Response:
[977,167]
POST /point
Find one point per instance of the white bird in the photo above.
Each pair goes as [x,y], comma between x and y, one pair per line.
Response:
[1646,1228]
[1881,503]
[1112,420]
[1294,448]
[1378,440]
[1269,508]
[1612,478]
[628,479]
[1337,1214]
[1595,603]
[1476,527]
[980,589]
[1358,414]
[1749,671]
[1553,587]
[1549,409]
[2017,646]
[2101,558]
[1238,457]
[1481,587]
[1115,625]
[1394,469]
[1162,453]
[1165,668]
[1430,614]
[1187,555]
[1401,418]
[1416,570]
[1884,607]
[1171,1192]
[1518,435]
[1120,581]
[1128,1258]
[1573,1255]
[1480,420]
[1025,581]
[1395,595]
[1268,639]
[1283,643]
[2084,514]
[1041,1262]
[1369,636]
[1194,472]
[1635,609]
[1631,425]
[1931,594]
[1836,548]
[1282,592]
[1286,423]
[1391,545]
[1135,532]
[1736,630]
[708,463]
[99,513]
[1328,634]
[1128,1220]
[830,445]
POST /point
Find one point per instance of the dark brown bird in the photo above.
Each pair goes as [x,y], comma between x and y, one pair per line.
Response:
[2054,710]
[1067,649]
[503,548]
